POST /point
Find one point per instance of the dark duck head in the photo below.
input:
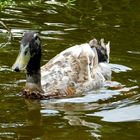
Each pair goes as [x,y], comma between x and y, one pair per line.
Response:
[103,50]
[29,58]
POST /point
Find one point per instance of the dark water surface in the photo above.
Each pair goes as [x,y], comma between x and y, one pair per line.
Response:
[103,115]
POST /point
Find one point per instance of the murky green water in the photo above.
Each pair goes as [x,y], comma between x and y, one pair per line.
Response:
[102,115]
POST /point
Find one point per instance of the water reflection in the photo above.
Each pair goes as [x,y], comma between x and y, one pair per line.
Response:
[29,127]
[125,114]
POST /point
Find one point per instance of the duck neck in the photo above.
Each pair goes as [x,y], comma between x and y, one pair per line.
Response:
[33,75]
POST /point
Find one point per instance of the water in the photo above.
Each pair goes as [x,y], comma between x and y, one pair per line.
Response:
[109,113]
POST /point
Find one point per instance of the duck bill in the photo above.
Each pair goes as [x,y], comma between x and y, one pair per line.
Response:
[21,61]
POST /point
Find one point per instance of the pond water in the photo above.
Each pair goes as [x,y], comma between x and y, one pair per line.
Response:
[109,113]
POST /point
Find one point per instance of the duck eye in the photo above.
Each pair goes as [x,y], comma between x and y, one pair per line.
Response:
[25,52]
[35,36]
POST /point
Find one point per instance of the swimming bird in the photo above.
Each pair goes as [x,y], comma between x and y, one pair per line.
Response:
[76,70]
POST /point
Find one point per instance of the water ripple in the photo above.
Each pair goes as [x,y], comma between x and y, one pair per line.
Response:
[125,114]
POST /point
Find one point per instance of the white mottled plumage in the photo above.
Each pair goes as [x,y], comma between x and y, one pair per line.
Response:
[75,70]
[78,69]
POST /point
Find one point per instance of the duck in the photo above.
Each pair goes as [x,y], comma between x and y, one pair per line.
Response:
[76,70]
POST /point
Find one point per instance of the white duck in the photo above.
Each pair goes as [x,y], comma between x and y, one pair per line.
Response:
[78,69]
